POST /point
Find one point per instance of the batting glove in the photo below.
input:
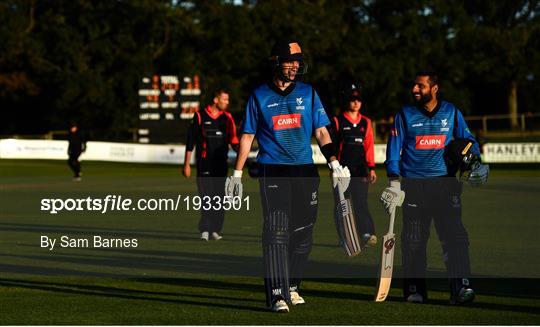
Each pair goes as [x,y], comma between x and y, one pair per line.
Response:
[479,174]
[341,176]
[233,186]
[392,196]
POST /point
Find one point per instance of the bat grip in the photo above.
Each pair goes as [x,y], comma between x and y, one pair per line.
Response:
[391,223]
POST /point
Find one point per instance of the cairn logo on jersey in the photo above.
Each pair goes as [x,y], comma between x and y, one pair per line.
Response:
[430,142]
[287,121]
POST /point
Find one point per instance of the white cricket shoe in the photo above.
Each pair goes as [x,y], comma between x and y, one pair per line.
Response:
[296,299]
[280,306]
[415,298]
[216,236]
[204,236]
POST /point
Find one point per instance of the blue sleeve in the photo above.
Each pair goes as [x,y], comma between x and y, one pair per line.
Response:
[320,119]
[251,118]
[393,148]
[462,131]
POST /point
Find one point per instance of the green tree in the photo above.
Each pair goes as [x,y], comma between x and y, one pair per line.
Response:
[500,40]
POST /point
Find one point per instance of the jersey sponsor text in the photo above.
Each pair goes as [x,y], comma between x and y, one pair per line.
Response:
[430,142]
[286,121]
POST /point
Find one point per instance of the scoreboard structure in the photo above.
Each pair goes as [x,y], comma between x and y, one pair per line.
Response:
[166,104]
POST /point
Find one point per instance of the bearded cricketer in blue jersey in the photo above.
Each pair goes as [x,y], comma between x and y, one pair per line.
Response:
[429,143]
[283,114]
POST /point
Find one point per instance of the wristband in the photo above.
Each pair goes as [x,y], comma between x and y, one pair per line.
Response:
[237,173]
[328,150]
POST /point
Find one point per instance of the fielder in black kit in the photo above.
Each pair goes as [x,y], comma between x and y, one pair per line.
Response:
[352,133]
[77,145]
[212,130]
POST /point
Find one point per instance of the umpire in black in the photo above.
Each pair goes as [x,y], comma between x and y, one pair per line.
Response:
[211,131]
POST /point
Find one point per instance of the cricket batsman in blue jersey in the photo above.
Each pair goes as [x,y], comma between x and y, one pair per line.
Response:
[429,143]
[283,114]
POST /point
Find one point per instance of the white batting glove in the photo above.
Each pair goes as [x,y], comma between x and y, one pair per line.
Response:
[233,186]
[479,174]
[392,196]
[341,176]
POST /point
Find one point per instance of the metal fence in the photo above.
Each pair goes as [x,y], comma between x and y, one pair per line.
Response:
[498,125]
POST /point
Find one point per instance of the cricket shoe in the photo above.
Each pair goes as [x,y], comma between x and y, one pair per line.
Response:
[77,179]
[296,299]
[369,240]
[280,306]
[464,296]
[216,236]
[204,236]
[415,298]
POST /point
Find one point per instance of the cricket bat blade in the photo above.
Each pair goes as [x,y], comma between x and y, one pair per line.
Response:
[387,267]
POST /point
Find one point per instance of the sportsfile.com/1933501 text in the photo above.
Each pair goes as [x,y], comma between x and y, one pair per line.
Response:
[111,203]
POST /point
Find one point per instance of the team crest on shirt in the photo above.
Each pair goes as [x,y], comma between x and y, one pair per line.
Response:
[444,124]
[299,102]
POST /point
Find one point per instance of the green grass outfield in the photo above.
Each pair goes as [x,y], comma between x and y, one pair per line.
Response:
[173,278]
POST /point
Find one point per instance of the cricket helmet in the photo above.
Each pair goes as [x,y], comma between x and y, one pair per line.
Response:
[286,50]
[460,158]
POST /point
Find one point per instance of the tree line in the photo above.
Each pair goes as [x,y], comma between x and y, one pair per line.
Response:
[83,59]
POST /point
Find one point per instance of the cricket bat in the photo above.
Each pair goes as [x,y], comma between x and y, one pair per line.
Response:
[346,223]
[387,261]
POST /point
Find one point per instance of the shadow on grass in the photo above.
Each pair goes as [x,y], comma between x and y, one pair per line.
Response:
[131,294]
[505,288]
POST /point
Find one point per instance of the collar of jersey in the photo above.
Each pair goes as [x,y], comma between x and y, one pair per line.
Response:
[433,112]
[352,120]
[209,112]
[279,91]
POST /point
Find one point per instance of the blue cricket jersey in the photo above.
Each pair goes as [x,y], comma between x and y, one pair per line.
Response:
[283,122]
[418,139]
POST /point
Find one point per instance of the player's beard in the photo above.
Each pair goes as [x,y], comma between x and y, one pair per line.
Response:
[423,99]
